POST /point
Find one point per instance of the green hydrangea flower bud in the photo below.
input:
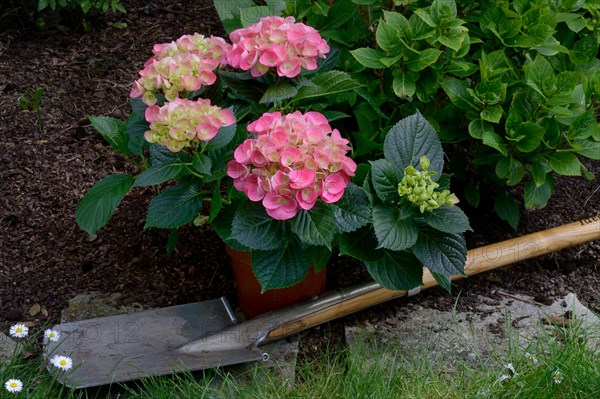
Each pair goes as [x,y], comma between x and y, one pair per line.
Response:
[419,189]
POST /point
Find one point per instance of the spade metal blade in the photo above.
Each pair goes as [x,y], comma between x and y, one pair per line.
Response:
[135,345]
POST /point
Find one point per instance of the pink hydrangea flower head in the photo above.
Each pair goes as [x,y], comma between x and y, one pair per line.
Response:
[292,161]
[180,67]
[280,207]
[181,122]
[333,187]
[279,43]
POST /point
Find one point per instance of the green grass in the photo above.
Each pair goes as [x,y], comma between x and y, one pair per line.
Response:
[367,371]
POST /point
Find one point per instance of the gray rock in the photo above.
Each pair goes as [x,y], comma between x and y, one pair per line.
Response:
[96,304]
[7,348]
[475,336]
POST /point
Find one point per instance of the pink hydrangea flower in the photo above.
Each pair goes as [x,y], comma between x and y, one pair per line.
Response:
[180,122]
[276,42]
[294,160]
[180,67]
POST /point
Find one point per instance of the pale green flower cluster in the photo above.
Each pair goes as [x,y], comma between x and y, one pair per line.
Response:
[419,189]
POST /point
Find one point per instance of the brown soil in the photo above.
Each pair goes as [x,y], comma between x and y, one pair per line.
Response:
[46,259]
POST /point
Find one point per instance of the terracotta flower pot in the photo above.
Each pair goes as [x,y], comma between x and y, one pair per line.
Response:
[248,289]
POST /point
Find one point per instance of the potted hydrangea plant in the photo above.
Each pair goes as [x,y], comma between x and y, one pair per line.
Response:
[244,131]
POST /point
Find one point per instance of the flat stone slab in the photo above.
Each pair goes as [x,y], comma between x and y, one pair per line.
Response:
[7,348]
[95,304]
[477,335]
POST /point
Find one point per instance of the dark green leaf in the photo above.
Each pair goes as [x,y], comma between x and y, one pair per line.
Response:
[587,148]
[136,126]
[538,196]
[99,203]
[584,50]
[216,203]
[411,138]
[282,266]
[461,69]
[585,126]
[574,21]
[398,22]
[174,207]
[538,71]
[396,270]
[223,224]
[507,208]
[172,241]
[454,37]
[443,280]
[113,131]
[449,219]
[159,173]
[319,256]
[459,94]
[419,61]
[255,229]
[472,194]
[360,244]
[328,83]
[404,84]
[510,169]
[442,10]
[202,163]
[315,227]
[352,211]
[387,38]
[161,154]
[395,229]
[278,92]
[492,113]
[477,127]
[443,253]
[494,140]
[533,133]
[538,170]
[564,163]
[425,15]
[385,178]
[223,137]
[368,57]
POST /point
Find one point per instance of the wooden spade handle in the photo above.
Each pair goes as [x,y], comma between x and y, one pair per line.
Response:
[479,260]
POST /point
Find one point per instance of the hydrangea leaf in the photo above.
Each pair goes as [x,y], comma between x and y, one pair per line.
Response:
[385,177]
[410,139]
[113,131]
[352,211]
[281,267]
[449,219]
[316,226]
[252,227]
[174,207]
[396,270]
[395,229]
[98,205]
[444,253]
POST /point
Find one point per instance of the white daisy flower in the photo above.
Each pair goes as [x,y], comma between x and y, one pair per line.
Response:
[530,359]
[13,385]
[51,335]
[62,362]
[557,376]
[511,368]
[19,330]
